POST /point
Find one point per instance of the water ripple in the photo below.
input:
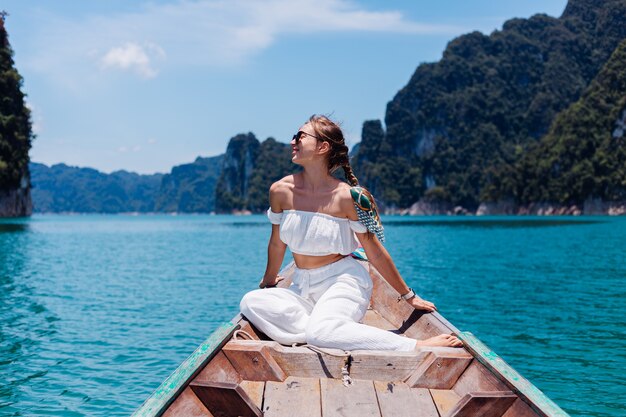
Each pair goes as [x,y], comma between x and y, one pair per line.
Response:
[97,310]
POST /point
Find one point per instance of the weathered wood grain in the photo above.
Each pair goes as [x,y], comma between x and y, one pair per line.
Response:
[255,333]
[520,409]
[517,383]
[255,390]
[426,403]
[174,384]
[293,397]
[297,361]
[253,361]
[441,368]
[187,404]
[478,378]
[225,399]
[404,318]
[307,363]
[385,365]
[444,400]
[483,404]
[396,399]
[219,369]
[359,399]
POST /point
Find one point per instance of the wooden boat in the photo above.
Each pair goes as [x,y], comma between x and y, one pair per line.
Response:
[238,371]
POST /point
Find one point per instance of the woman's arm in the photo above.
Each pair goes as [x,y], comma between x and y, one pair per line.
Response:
[275,248]
[275,255]
[380,258]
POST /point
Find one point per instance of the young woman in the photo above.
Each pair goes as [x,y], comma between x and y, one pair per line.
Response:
[314,215]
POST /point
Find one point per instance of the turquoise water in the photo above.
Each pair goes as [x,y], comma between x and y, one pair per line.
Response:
[96,311]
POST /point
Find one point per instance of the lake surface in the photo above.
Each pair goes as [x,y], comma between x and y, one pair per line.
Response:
[96,311]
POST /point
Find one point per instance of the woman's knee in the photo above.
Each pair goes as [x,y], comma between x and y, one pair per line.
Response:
[250,300]
[319,333]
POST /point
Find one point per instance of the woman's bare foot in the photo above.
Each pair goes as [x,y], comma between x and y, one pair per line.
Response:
[441,340]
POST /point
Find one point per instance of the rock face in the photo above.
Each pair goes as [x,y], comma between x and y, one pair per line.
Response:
[233,183]
[463,123]
[248,170]
[496,208]
[239,180]
[190,188]
[16,202]
[15,135]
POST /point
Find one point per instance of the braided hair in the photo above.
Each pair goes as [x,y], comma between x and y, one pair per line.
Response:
[330,132]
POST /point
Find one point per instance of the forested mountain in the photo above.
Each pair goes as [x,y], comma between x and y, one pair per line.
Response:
[15,135]
[62,188]
[249,169]
[584,155]
[456,133]
[190,188]
[528,119]
[244,175]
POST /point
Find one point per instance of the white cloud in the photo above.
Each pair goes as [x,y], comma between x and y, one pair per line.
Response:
[202,33]
[126,149]
[134,57]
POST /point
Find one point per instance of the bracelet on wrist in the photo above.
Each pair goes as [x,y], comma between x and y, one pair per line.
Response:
[407,296]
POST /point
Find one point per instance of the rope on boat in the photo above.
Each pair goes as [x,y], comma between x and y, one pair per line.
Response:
[345,369]
[242,332]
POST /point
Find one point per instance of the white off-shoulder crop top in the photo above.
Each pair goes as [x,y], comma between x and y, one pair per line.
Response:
[318,234]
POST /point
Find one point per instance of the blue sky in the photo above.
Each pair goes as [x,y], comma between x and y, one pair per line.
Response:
[146,85]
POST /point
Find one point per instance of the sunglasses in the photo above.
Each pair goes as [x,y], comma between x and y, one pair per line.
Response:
[298,136]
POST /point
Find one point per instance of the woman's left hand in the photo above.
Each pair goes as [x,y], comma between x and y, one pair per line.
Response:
[421,304]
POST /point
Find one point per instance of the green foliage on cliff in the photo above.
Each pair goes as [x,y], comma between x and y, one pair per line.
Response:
[457,130]
[190,188]
[15,126]
[248,170]
[272,164]
[233,184]
[584,154]
[62,188]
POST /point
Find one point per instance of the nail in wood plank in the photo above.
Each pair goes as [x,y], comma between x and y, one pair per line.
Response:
[253,362]
[396,399]
[293,397]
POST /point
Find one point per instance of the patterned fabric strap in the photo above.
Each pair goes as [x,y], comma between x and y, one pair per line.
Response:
[367,211]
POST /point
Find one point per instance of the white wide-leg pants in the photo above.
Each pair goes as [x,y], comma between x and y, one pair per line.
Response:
[322,307]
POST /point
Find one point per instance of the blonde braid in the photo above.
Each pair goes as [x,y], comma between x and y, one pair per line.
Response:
[350,177]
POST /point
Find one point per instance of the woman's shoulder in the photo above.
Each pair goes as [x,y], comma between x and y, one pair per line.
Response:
[280,192]
[283,184]
[344,195]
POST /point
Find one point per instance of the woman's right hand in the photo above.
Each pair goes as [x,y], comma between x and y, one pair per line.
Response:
[270,282]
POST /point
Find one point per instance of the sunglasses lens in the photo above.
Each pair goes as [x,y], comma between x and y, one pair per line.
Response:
[297,137]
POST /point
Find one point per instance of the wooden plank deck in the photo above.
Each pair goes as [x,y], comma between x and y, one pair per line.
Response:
[358,399]
[398,400]
[260,377]
[293,397]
